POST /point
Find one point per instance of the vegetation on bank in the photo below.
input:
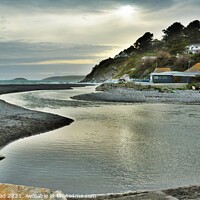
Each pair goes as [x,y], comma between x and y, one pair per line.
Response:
[193,86]
[147,53]
[161,88]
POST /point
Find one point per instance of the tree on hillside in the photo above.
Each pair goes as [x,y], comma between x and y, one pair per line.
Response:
[173,31]
[192,32]
[195,58]
[174,38]
[144,43]
[130,50]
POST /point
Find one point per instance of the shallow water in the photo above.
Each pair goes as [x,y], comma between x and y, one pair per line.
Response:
[109,148]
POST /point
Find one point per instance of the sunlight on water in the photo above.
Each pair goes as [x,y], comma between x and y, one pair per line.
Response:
[109,148]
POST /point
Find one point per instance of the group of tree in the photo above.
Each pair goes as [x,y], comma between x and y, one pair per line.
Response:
[175,39]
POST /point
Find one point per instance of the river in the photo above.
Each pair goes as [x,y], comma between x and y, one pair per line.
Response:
[108,148]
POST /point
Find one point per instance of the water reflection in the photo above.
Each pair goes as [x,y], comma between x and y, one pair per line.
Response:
[110,148]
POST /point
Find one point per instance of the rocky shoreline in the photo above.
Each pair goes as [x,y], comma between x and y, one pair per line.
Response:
[9,191]
[147,96]
[17,122]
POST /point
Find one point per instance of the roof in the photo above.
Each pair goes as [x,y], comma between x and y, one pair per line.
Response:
[149,57]
[164,69]
[198,44]
[175,73]
[194,68]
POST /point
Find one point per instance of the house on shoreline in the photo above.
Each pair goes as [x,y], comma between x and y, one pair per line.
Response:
[193,48]
[165,75]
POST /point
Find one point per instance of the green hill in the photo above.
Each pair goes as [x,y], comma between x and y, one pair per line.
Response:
[19,79]
[147,53]
[64,78]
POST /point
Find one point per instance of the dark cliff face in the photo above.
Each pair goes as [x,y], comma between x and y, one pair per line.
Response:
[106,69]
[139,66]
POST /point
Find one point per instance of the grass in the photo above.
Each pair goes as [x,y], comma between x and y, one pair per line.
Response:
[161,88]
[193,86]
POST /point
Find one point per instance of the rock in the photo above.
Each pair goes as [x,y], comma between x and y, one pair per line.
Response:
[17,122]
[2,157]
[193,87]
[8,191]
[105,70]
[117,95]
[190,192]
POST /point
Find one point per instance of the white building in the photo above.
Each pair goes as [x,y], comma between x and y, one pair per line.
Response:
[125,78]
[122,55]
[149,58]
[193,48]
[164,75]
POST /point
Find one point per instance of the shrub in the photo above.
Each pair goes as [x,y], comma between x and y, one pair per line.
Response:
[194,86]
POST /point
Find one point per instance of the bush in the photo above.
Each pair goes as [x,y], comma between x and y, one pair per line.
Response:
[194,86]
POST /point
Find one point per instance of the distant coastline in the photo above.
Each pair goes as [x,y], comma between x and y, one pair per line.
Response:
[10,88]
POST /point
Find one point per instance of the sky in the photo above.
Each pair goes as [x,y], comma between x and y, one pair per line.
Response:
[43,38]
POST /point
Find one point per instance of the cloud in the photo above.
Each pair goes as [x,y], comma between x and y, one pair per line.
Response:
[16,50]
[182,11]
[58,62]
[36,72]
[88,21]
[149,4]
[52,32]
[84,6]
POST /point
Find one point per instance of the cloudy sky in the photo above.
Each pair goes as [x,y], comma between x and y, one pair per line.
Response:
[42,38]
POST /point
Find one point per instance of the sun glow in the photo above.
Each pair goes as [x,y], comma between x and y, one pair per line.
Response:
[126,11]
[57,62]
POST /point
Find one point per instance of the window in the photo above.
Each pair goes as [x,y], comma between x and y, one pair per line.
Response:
[156,77]
[164,77]
[161,77]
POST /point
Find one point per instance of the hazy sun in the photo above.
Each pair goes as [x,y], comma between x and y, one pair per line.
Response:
[125,11]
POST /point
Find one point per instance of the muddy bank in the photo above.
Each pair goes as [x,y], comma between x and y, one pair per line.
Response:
[17,122]
[4,89]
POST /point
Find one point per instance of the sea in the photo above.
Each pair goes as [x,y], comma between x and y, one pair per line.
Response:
[109,148]
[27,82]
